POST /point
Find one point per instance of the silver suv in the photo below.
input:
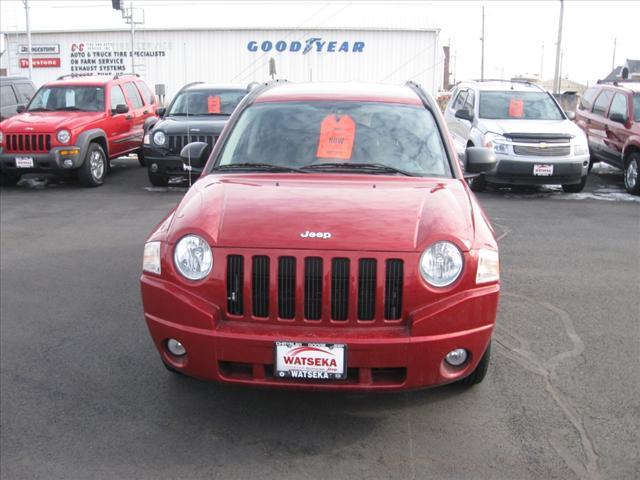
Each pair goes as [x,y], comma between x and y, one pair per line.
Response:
[535,142]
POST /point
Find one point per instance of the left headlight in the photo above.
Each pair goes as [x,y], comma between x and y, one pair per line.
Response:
[159,138]
[63,136]
[151,258]
[192,257]
[496,142]
[441,264]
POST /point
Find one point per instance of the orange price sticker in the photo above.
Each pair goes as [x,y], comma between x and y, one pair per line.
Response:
[516,108]
[213,104]
[336,137]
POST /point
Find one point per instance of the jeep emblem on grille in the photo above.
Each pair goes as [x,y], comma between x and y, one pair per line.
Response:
[308,234]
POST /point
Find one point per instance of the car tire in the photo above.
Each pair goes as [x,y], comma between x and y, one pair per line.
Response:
[478,184]
[481,370]
[158,179]
[576,187]
[141,159]
[592,162]
[8,180]
[632,174]
[94,168]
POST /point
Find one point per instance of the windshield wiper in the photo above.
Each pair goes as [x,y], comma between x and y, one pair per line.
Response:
[70,109]
[369,167]
[258,167]
[40,109]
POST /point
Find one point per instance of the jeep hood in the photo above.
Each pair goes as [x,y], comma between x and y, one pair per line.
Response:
[375,213]
[49,122]
[556,127]
[196,125]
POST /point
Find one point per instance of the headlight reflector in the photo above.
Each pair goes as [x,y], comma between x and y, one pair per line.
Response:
[159,138]
[63,136]
[497,142]
[151,258]
[488,266]
[193,257]
[441,264]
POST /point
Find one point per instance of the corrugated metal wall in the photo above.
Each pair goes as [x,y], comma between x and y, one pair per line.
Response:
[175,57]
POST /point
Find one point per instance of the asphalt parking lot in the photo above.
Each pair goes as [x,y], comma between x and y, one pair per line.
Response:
[84,395]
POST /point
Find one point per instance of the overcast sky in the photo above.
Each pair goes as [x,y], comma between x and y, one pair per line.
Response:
[515,31]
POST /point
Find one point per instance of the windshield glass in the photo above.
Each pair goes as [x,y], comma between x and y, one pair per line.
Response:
[636,107]
[518,105]
[296,134]
[73,98]
[207,102]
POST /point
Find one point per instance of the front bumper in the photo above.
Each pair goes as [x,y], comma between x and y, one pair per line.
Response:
[43,162]
[162,162]
[518,170]
[386,358]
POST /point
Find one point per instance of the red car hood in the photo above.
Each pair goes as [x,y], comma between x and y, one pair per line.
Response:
[359,212]
[48,122]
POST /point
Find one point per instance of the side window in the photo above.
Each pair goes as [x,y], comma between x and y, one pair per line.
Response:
[459,101]
[619,105]
[471,101]
[133,94]
[148,97]
[602,102]
[7,96]
[586,102]
[25,92]
[117,97]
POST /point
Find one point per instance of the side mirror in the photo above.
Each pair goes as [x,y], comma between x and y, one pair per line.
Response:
[194,154]
[479,160]
[120,108]
[618,117]
[160,111]
[464,114]
[21,108]
[570,115]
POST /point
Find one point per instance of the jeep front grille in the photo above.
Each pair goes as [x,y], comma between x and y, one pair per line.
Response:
[177,142]
[313,289]
[27,142]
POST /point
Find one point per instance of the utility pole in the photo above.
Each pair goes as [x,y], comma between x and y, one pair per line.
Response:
[482,54]
[613,59]
[29,54]
[129,16]
[556,77]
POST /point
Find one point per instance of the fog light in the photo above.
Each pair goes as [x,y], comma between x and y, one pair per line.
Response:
[176,348]
[456,357]
[67,162]
[154,167]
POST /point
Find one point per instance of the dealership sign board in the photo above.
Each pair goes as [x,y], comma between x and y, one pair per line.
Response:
[43,49]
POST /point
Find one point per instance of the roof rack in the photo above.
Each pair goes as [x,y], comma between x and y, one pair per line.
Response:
[118,75]
[74,75]
[513,80]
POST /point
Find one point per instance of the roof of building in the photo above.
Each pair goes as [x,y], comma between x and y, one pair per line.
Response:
[629,68]
[351,91]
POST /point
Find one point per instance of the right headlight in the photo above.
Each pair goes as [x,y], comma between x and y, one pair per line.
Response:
[192,257]
[441,264]
[159,138]
[488,266]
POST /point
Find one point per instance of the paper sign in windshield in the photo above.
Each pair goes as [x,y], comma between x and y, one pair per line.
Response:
[336,137]
[213,104]
[516,108]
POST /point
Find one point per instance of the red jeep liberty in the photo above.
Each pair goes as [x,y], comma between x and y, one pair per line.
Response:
[332,242]
[74,126]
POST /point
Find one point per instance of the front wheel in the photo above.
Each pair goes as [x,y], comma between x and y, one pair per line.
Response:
[478,184]
[576,187]
[481,370]
[631,180]
[158,180]
[94,167]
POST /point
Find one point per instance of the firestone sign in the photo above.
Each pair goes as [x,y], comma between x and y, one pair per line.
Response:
[313,44]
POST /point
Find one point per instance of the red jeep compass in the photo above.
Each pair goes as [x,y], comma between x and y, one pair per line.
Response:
[332,242]
[75,126]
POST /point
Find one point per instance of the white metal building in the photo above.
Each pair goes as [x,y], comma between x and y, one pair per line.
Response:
[238,55]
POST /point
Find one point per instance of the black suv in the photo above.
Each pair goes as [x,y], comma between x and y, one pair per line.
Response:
[197,113]
[14,91]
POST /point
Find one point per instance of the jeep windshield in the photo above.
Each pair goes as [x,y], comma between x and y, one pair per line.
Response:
[338,137]
[68,98]
[515,105]
[206,102]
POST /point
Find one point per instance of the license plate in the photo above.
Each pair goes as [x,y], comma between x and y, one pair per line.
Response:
[314,361]
[24,162]
[543,170]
